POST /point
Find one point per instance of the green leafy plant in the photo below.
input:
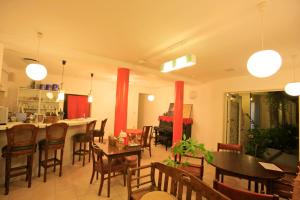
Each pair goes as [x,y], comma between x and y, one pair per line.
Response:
[188,147]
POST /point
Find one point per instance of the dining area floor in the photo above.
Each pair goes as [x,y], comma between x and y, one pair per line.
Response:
[74,183]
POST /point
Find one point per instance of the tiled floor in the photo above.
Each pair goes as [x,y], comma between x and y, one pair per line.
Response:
[74,184]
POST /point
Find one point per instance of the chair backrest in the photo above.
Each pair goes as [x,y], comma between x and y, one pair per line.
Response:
[195,158]
[56,132]
[20,136]
[236,194]
[97,156]
[90,127]
[146,135]
[230,147]
[103,123]
[177,181]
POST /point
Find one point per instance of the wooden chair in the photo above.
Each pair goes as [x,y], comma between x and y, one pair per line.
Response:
[284,186]
[236,194]
[84,138]
[196,169]
[100,165]
[174,181]
[234,148]
[55,140]
[146,138]
[100,133]
[21,141]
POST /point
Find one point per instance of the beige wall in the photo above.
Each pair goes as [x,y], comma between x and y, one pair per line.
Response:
[104,96]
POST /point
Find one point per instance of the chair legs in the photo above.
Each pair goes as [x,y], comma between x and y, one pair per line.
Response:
[81,151]
[7,174]
[101,185]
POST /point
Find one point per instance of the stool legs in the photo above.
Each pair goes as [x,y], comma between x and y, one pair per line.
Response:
[74,143]
[61,159]
[84,149]
[29,169]
[55,155]
[7,174]
[45,165]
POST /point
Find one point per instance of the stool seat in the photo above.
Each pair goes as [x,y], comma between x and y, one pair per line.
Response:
[42,143]
[81,137]
[15,149]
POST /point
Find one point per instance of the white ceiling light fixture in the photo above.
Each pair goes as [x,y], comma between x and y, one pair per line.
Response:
[263,63]
[37,71]
[151,97]
[293,88]
[179,63]
[90,97]
[61,94]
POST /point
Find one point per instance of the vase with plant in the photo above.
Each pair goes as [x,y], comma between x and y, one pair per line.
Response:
[188,147]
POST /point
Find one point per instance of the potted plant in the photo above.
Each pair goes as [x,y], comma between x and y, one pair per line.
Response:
[188,147]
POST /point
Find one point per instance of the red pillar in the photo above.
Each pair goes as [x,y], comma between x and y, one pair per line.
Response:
[121,101]
[178,108]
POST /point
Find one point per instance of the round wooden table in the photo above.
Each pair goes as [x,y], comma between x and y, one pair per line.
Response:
[157,195]
[243,166]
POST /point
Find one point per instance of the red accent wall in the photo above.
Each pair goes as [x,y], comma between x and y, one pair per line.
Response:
[78,106]
[178,109]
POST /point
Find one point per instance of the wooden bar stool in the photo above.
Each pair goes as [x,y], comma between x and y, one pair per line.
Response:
[21,140]
[100,133]
[55,140]
[83,138]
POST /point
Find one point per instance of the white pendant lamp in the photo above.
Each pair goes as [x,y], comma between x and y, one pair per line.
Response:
[61,94]
[263,63]
[293,88]
[90,97]
[150,97]
[36,71]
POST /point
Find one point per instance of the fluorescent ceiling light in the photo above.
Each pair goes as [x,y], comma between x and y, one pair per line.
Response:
[179,63]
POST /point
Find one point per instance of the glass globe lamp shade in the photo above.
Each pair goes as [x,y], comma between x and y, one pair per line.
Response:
[36,71]
[49,95]
[61,96]
[90,98]
[292,89]
[151,97]
[264,63]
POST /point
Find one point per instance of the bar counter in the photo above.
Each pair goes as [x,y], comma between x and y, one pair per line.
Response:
[75,126]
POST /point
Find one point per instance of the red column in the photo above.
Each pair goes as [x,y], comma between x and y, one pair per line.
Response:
[121,101]
[178,108]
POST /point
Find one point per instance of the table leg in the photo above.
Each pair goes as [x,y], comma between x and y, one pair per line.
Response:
[108,178]
[256,186]
[139,164]
[217,175]
[269,187]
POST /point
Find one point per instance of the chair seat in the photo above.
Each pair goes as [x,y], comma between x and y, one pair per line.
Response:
[116,165]
[42,143]
[138,194]
[81,137]
[98,133]
[15,149]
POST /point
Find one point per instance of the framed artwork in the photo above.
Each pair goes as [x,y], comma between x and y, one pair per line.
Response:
[186,113]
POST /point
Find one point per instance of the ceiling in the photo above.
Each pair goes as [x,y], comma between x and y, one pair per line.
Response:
[101,36]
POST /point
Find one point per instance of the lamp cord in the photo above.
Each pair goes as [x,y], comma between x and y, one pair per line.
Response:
[39,35]
[92,75]
[62,74]
[261,8]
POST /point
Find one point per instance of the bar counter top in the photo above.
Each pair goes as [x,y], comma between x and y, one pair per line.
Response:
[70,122]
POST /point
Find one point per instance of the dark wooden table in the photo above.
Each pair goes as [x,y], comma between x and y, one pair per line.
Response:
[244,166]
[112,152]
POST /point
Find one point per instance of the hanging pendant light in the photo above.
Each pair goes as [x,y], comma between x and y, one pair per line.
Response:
[263,63]
[61,94]
[293,88]
[36,71]
[90,97]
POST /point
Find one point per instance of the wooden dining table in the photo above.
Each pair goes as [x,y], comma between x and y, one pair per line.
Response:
[113,152]
[244,166]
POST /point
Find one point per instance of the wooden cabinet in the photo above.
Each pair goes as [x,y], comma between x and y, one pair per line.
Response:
[37,101]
